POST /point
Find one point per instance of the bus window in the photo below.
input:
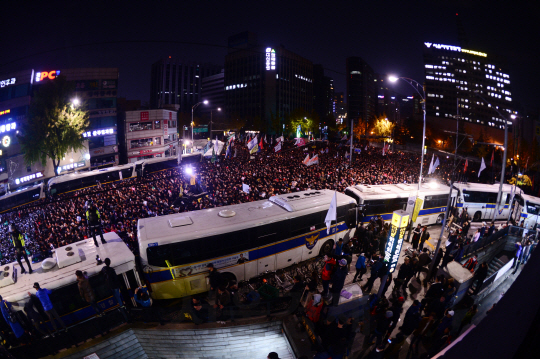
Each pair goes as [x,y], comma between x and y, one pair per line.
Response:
[519,200]
[533,208]
[436,201]
[479,197]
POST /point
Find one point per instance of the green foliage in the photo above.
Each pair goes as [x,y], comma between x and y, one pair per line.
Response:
[382,127]
[54,126]
[302,118]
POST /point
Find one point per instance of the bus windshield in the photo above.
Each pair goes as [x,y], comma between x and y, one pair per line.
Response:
[533,208]
[479,197]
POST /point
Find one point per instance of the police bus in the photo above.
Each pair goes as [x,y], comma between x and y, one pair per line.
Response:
[526,210]
[270,234]
[58,275]
[21,196]
[383,200]
[480,200]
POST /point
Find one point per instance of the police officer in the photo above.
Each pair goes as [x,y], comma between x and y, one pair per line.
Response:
[18,242]
[94,223]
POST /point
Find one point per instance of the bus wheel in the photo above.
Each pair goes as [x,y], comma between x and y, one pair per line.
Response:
[228,278]
[439,219]
[326,248]
[477,217]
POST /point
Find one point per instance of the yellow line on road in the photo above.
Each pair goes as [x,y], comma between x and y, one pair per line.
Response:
[431,245]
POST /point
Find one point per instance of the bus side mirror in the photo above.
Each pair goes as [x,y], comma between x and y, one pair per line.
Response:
[350,219]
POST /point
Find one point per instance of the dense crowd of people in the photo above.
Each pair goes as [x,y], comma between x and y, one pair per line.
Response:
[60,220]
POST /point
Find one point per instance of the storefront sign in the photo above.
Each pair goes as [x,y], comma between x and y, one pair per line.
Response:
[31,177]
[5,112]
[47,75]
[6,141]
[71,166]
[145,151]
[165,129]
[103,150]
[94,133]
[8,127]
[108,84]
[399,222]
[145,116]
[11,81]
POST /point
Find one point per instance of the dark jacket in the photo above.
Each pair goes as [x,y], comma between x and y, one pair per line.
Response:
[405,271]
[423,259]
[110,277]
[215,279]
[338,279]
[223,298]
[86,291]
[435,291]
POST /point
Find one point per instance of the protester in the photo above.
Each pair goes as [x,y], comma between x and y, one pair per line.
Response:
[86,292]
[43,295]
[114,285]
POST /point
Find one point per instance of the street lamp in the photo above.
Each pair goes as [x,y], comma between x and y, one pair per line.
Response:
[422,94]
[192,109]
[76,102]
[503,169]
[219,109]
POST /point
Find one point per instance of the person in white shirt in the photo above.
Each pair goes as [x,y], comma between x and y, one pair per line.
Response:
[476,235]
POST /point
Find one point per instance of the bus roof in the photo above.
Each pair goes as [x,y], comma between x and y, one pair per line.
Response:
[530,198]
[72,176]
[207,222]
[402,190]
[21,190]
[482,187]
[122,260]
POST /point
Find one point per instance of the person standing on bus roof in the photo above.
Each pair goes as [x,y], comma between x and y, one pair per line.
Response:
[94,223]
[18,242]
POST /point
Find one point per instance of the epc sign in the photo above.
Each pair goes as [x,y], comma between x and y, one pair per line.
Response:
[47,74]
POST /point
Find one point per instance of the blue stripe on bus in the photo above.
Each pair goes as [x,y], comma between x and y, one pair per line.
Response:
[524,215]
[85,313]
[388,216]
[258,253]
[488,205]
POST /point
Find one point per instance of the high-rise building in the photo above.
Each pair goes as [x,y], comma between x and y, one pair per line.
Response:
[176,84]
[454,74]
[340,107]
[323,93]
[95,87]
[264,83]
[361,91]
[213,91]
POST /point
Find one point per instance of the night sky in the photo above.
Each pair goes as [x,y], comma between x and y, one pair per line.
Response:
[389,35]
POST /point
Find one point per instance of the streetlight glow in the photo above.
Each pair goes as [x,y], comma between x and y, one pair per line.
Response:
[76,102]
[392,78]
[205,102]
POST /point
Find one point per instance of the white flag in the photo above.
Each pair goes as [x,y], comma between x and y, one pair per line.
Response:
[216,146]
[332,213]
[430,171]
[252,143]
[436,164]
[306,160]
[482,167]
[313,161]
[344,138]
[245,188]
[278,147]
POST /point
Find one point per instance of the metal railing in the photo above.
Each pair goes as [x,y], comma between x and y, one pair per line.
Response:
[482,243]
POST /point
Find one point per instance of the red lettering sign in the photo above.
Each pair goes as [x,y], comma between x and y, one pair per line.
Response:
[170,115]
[145,116]
[144,151]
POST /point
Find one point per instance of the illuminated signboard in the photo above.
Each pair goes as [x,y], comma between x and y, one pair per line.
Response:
[31,177]
[6,141]
[5,112]
[71,166]
[47,75]
[8,127]
[400,219]
[145,116]
[270,59]
[11,81]
[94,133]
[454,48]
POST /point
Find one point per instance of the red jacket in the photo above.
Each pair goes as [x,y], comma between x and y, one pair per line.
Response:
[328,269]
[470,264]
[314,312]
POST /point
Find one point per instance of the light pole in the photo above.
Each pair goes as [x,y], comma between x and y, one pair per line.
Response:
[219,109]
[192,109]
[503,169]
[422,94]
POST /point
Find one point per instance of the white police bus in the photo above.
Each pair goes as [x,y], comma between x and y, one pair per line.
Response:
[270,234]
[21,196]
[526,210]
[59,277]
[383,200]
[480,200]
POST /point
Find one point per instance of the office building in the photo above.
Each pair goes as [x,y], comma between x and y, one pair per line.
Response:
[95,87]
[213,90]
[340,107]
[150,133]
[323,93]
[361,91]
[454,74]
[264,83]
[176,84]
